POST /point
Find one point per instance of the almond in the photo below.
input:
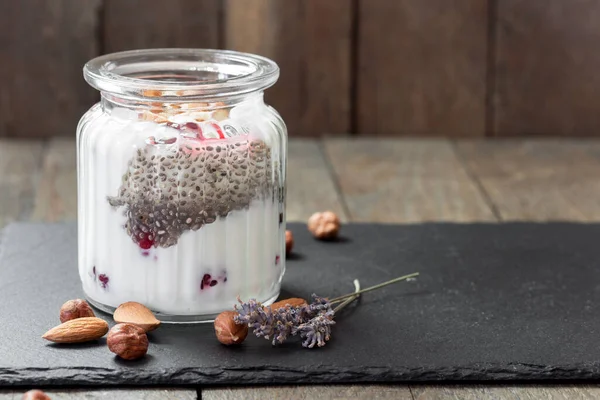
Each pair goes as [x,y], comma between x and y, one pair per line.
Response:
[136,314]
[294,302]
[78,330]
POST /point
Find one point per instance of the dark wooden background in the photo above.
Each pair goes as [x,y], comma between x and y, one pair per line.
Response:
[455,68]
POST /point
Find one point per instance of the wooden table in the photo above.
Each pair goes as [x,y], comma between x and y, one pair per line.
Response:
[377,180]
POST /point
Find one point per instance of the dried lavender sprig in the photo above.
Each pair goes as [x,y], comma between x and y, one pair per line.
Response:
[402,278]
[350,299]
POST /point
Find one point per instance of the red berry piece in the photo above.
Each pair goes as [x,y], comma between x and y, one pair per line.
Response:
[277,258]
[103,278]
[218,129]
[206,280]
[145,242]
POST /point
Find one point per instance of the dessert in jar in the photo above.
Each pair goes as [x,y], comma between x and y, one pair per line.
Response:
[181,182]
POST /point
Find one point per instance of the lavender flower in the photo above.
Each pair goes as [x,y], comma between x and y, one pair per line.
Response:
[317,330]
[254,314]
[311,321]
[319,304]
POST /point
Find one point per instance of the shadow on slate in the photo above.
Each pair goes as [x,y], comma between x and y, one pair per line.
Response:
[514,301]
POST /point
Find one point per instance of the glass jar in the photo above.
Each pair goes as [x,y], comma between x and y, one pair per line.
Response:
[181,182]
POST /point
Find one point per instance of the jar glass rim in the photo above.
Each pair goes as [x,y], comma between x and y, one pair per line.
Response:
[180,74]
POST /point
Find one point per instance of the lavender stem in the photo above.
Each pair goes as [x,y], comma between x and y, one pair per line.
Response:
[350,299]
[337,299]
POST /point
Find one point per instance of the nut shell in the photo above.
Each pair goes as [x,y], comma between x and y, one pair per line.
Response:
[35,394]
[76,308]
[227,331]
[127,341]
[135,313]
[289,242]
[293,302]
[324,225]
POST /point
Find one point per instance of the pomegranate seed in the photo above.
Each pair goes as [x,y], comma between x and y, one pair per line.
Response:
[213,283]
[103,280]
[145,243]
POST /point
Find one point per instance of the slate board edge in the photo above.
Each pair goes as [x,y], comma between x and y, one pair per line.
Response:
[313,375]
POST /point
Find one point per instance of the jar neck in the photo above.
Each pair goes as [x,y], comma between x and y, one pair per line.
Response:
[111,101]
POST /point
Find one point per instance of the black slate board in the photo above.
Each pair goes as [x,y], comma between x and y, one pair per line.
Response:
[513,301]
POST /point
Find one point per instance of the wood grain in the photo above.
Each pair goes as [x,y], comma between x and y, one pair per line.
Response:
[517,392]
[537,180]
[310,392]
[56,198]
[43,47]
[135,24]
[94,394]
[311,42]
[20,163]
[547,77]
[310,184]
[422,67]
[405,181]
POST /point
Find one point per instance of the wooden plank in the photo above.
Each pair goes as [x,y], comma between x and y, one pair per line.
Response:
[136,24]
[43,47]
[92,394]
[422,67]
[537,180]
[405,181]
[310,185]
[546,69]
[56,198]
[20,162]
[311,42]
[521,392]
[310,392]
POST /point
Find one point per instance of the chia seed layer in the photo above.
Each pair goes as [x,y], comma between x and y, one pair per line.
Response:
[171,188]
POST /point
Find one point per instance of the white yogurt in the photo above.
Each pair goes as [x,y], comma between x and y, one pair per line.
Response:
[242,254]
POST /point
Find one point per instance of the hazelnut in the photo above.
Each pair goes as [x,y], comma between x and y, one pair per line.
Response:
[35,394]
[324,225]
[76,308]
[227,331]
[128,341]
[289,242]
[291,302]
